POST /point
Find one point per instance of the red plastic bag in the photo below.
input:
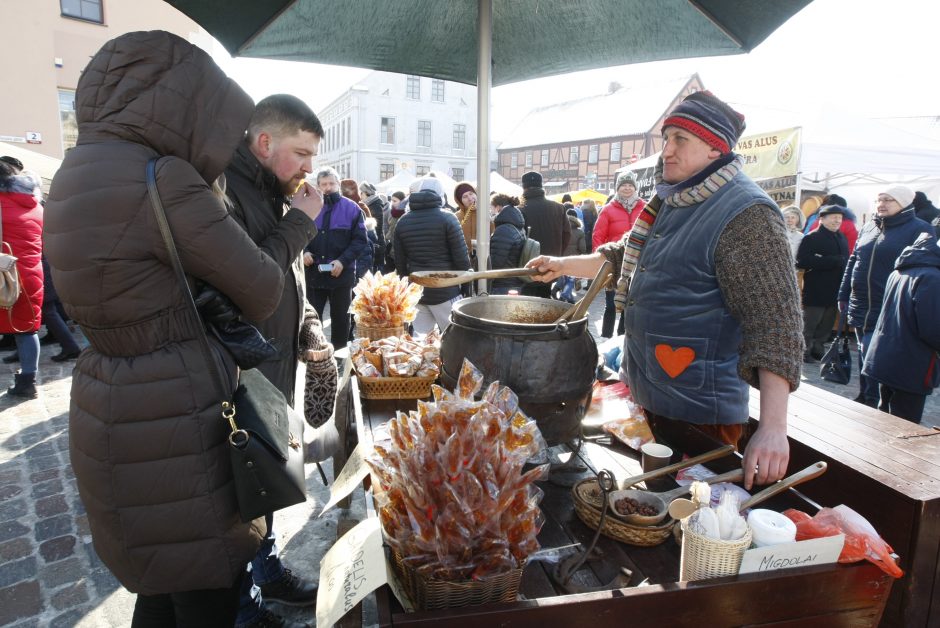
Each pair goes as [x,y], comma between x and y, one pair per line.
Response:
[862,542]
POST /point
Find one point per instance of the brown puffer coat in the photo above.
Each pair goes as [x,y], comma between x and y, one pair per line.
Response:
[148,445]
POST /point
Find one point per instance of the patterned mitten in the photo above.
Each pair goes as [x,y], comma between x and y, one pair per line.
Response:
[321,380]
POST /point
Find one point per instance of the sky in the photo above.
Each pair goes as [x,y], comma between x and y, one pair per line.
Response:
[872,59]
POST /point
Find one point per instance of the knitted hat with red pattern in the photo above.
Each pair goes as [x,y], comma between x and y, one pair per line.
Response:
[709,119]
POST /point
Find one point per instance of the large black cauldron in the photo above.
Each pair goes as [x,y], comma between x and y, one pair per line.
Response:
[513,339]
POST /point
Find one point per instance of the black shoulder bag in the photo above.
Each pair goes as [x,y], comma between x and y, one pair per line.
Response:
[265,442]
[836,365]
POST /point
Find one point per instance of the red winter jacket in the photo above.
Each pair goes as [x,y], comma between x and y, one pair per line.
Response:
[22,230]
[613,222]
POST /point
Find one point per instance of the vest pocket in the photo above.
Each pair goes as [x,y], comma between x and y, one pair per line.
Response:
[677,361]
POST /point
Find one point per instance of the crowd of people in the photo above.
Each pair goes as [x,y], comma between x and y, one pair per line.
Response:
[706,291]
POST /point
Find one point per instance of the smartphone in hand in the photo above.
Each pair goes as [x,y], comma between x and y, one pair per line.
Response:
[325,268]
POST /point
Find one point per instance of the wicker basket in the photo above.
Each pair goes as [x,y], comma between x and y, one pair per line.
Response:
[377,333]
[429,594]
[588,504]
[395,387]
[704,557]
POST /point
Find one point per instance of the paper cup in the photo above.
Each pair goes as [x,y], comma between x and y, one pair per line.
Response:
[655,456]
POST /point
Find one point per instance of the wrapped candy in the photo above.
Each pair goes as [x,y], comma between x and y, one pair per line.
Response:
[457,503]
[397,357]
[385,300]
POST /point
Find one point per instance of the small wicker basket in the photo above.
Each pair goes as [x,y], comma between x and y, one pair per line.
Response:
[395,387]
[429,594]
[377,333]
[704,557]
[588,504]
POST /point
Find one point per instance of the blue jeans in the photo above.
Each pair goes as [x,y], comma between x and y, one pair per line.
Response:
[265,567]
[867,387]
[27,346]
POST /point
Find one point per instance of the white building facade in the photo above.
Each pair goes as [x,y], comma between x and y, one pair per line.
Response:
[391,122]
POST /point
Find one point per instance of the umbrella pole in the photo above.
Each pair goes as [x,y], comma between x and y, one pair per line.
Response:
[484,87]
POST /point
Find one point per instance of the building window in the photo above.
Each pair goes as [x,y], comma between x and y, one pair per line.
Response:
[414,88]
[615,151]
[67,118]
[592,154]
[387,132]
[424,133]
[544,161]
[345,128]
[386,171]
[89,10]
[528,159]
[458,174]
[573,155]
[423,171]
[437,90]
[514,160]
[460,136]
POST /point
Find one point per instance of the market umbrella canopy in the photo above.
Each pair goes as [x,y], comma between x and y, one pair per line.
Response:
[531,38]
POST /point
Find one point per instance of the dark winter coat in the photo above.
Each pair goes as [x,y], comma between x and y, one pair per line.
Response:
[146,440]
[577,245]
[590,219]
[282,232]
[341,235]
[822,255]
[429,237]
[366,261]
[506,245]
[22,238]
[925,210]
[877,249]
[378,208]
[903,349]
[547,220]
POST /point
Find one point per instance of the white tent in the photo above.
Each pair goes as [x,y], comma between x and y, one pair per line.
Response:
[44,165]
[502,185]
[400,181]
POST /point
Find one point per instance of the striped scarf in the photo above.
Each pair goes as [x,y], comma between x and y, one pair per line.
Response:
[676,196]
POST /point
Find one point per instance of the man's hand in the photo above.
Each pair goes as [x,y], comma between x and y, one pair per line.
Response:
[308,259]
[337,268]
[550,268]
[308,200]
[843,306]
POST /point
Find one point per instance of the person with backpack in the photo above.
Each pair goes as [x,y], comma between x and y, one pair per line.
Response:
[507,241]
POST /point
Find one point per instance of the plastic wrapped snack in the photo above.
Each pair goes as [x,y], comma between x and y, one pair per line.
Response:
[385,300]
[396,357]
[458,502]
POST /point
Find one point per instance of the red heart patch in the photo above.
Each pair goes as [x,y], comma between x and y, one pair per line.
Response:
[674,361]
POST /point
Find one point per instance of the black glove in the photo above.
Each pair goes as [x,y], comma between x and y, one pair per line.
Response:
[214,306]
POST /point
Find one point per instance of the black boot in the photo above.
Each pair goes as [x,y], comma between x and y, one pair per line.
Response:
[24,386]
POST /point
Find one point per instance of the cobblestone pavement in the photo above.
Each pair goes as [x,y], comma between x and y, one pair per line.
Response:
[49,573]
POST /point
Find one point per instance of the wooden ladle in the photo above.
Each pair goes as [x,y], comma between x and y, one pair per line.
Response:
[579,309]
[447,278]
[682,508]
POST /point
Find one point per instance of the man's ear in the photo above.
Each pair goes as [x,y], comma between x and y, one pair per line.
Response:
[714,154]
[263,145]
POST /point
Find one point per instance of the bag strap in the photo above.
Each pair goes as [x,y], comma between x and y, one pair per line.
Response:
[228,410]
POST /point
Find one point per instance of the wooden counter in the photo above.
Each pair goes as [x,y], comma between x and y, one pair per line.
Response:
[832,595]
[888,470]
